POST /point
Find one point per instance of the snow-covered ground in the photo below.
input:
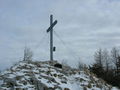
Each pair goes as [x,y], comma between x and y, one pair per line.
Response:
[41,75]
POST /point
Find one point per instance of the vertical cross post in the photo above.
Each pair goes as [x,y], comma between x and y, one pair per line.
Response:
[51,38]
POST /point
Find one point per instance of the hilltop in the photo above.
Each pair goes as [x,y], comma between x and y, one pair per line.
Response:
[46,75]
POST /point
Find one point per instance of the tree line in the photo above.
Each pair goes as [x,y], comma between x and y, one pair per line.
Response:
[107,65]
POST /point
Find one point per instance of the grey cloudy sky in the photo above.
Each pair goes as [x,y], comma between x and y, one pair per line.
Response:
[84,25]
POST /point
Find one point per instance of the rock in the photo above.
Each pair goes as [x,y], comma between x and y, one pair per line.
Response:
[50,79]
[10,82]
[20,89]
[64,82]
[55,75]
[18,77]
[66,89]
[58,65]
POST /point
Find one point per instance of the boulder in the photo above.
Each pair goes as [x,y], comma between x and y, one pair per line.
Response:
[58,65]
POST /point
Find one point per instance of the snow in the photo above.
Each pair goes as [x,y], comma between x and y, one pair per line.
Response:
[1,82]
[114,88]
[50,76]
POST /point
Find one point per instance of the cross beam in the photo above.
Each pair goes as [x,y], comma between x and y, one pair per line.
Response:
[50,29]
[53,24]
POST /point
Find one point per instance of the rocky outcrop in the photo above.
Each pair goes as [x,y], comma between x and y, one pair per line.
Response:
[29,75]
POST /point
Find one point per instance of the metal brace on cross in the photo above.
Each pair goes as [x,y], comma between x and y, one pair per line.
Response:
[50,29]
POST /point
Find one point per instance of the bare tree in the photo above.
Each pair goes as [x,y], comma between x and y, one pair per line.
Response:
[80,65]
[64,62]
[118,66]
[114,56]
[99,57]
[106,59]
[28,54]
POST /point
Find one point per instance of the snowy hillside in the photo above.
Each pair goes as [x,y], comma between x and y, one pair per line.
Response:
[30,75]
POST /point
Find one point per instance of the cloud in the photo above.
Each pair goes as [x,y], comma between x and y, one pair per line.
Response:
[84,25]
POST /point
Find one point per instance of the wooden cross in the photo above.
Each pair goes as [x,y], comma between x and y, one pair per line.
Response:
[50,29]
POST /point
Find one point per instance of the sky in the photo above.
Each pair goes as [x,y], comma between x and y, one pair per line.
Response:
[83,27]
